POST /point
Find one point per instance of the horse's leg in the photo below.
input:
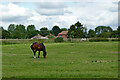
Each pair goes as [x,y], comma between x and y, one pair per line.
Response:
[34,53]
[38,54]
[44,54]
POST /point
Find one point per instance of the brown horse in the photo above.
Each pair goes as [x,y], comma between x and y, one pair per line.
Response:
[38,47]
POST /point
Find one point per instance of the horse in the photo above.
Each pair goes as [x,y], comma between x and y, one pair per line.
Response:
[38,47]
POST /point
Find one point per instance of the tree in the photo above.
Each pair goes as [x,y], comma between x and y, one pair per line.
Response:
[44,31]
[114,34]
[56,30]
[91,33]
[20,28]
[51,31]
[1,29]
[5,34]
[102,29]
[31,31]
[71,31]
[79,30]
[78,33]
[31,28]
[104,35]
[30,34]
[63,29]
[11,27]
[79,25]
[19,32]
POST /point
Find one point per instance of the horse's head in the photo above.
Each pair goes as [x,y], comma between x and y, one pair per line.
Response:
[44,54]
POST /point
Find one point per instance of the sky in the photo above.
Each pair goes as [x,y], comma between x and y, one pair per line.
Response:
[43,13]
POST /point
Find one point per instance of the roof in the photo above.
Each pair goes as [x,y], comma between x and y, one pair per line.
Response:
[63,32]
[37,36]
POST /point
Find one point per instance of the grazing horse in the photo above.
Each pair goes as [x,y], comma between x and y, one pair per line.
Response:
[38,47]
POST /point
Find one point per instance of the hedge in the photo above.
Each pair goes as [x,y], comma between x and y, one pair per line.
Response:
[98,40]
[59,39]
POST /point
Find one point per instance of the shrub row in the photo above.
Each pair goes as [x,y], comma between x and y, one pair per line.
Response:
[59,39]
[115,39]
[98,40]
[25,41]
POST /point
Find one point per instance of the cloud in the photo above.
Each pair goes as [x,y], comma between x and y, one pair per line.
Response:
[93,14]
[51,8]
[47,14]
[51,12]
[50,21]
[13,13]
[50,5]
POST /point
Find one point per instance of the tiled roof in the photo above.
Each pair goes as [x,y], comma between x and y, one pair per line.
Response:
[63,32]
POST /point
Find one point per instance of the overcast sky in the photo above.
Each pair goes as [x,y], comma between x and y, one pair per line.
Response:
[91,13]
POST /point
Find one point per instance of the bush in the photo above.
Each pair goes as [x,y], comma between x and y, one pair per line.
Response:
[8,42]
[115,39]
[98,40]
[59,39]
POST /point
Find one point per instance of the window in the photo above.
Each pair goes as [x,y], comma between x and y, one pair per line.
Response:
[60,35]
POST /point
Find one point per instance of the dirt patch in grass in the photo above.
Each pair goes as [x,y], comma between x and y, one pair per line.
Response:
[102,61]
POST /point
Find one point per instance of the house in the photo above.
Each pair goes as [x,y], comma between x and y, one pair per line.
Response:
[39,37]
[63,34]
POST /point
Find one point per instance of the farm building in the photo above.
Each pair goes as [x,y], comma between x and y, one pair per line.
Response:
[39,37]
[63,34]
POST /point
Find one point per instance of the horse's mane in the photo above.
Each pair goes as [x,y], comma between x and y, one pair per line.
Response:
[34,42]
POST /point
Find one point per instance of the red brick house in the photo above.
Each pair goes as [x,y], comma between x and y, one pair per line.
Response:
[63,34]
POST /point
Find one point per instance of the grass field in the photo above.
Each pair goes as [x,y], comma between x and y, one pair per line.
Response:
[64,60]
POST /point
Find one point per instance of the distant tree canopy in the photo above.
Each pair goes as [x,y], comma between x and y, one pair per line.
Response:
[30,34]
[105,32]
[19,32]
[63,29]
[11,27]
[102,29]
[20,28]
[5,34]
[44,31]
[77,30]
[1,28]
[91,33]
[31,28]
[56,30]
[31,31]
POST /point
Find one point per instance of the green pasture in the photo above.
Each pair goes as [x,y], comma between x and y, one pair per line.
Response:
[64,60]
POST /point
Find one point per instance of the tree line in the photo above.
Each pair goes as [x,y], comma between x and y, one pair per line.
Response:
[76,30]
